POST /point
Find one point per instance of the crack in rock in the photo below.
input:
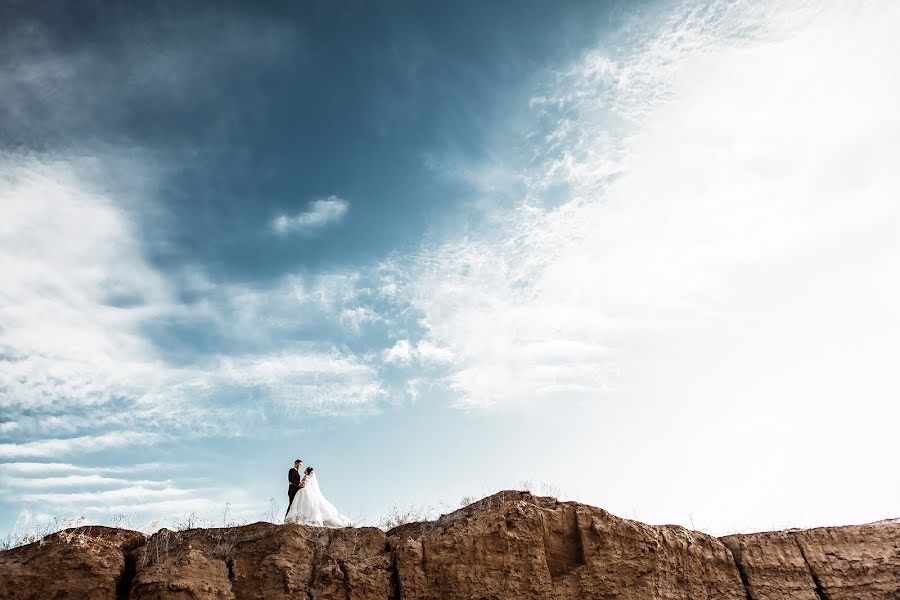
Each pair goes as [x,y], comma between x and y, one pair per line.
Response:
[820,591]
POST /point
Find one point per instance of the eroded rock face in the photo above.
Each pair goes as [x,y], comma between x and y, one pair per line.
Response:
[513,545]
[88,562]
[264,561]
[829,563]
[508,546]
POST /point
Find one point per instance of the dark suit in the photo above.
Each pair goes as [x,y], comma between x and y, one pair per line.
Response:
[294,480]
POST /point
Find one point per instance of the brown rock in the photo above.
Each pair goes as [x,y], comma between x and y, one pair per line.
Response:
[514,545]
[508,546]
[771,566]
[829,563]
[264,561]
[87,562]
[183,565]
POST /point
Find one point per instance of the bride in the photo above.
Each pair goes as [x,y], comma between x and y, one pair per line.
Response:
[310,507]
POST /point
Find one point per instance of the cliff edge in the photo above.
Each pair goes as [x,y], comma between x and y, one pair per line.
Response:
[511,545]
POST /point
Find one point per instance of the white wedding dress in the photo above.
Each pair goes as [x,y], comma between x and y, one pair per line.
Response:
[310,507]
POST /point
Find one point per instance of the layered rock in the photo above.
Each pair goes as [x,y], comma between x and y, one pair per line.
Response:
[514,545]
[829,563]
[88,562]
[510,545]
[264,561]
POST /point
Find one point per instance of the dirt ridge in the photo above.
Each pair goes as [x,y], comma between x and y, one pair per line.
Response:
[508,545]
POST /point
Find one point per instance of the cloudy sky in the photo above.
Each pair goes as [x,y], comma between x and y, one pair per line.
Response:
[644,254]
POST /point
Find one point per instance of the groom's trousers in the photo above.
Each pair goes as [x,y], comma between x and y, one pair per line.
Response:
[292,491]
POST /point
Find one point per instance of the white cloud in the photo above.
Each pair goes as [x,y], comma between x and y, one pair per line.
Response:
[340,299]
[80,294]
[427,352]
[139,493]
[69,423]
[699,278]
[414,388]
[79,376]
[319,214]
[167,504]
[72,481]
[728,185]
[73,295]
[326,383]
[424,352]
[355,318]
[400,353]
[33,468]
[170,509]
[50,491]
[78,445]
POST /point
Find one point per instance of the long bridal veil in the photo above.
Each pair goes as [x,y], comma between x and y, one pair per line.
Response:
[310,507]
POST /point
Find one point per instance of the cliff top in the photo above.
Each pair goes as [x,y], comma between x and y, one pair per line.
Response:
[508,545]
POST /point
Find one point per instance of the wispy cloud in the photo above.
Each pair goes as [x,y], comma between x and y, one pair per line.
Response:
[341,300]
[72,481]
[354,319]
[46,491]
[139,493]
[319,214]
[324,383]
[403,352]
[68,337]
[689,190]
[44,468]
[68,447]
[75,356]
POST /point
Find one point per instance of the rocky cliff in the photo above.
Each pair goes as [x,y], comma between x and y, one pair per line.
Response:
[510,545]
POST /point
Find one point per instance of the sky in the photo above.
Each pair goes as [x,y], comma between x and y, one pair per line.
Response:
[642,255]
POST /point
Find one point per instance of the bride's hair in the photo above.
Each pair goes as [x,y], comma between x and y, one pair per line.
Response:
[308,470]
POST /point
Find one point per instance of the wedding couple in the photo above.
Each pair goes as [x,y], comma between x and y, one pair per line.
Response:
[306,504]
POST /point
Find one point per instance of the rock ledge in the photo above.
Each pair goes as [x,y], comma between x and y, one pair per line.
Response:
[511,545]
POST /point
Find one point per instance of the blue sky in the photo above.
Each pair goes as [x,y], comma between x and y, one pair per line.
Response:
[641,253]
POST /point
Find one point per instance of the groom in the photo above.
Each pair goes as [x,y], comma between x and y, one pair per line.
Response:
[295,483]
